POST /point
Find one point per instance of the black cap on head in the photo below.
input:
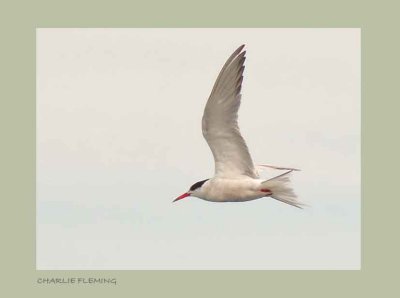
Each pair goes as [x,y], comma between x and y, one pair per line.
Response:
[198,184]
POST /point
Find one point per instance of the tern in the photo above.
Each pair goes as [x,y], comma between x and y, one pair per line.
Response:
[236,179]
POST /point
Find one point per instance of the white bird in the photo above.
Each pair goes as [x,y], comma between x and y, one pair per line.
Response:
[235,179]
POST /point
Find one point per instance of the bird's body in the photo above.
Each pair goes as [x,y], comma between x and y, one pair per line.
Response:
[231,190]
[236,179]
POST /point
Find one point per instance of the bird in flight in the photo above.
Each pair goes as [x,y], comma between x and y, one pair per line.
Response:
[235,179]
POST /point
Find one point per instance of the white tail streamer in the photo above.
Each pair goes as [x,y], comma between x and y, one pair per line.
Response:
[281,191]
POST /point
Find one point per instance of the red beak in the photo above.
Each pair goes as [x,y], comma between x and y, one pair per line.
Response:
[181,197]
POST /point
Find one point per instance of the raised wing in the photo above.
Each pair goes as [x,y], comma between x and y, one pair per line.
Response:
[220,126]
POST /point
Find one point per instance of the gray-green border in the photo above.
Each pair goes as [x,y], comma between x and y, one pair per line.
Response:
[380,146]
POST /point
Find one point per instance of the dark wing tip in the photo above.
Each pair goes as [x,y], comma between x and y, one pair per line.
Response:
[238,50]
[237,57]
[241,57]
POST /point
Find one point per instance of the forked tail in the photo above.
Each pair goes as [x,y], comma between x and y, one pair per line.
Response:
[279,189]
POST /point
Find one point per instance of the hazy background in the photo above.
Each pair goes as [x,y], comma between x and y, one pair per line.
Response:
[119,137]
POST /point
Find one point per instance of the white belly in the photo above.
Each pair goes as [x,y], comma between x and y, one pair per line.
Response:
[231,190]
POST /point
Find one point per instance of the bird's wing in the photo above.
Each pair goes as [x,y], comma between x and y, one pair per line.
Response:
[220,126]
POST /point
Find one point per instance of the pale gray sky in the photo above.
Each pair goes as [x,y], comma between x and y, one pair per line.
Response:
[119,137]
